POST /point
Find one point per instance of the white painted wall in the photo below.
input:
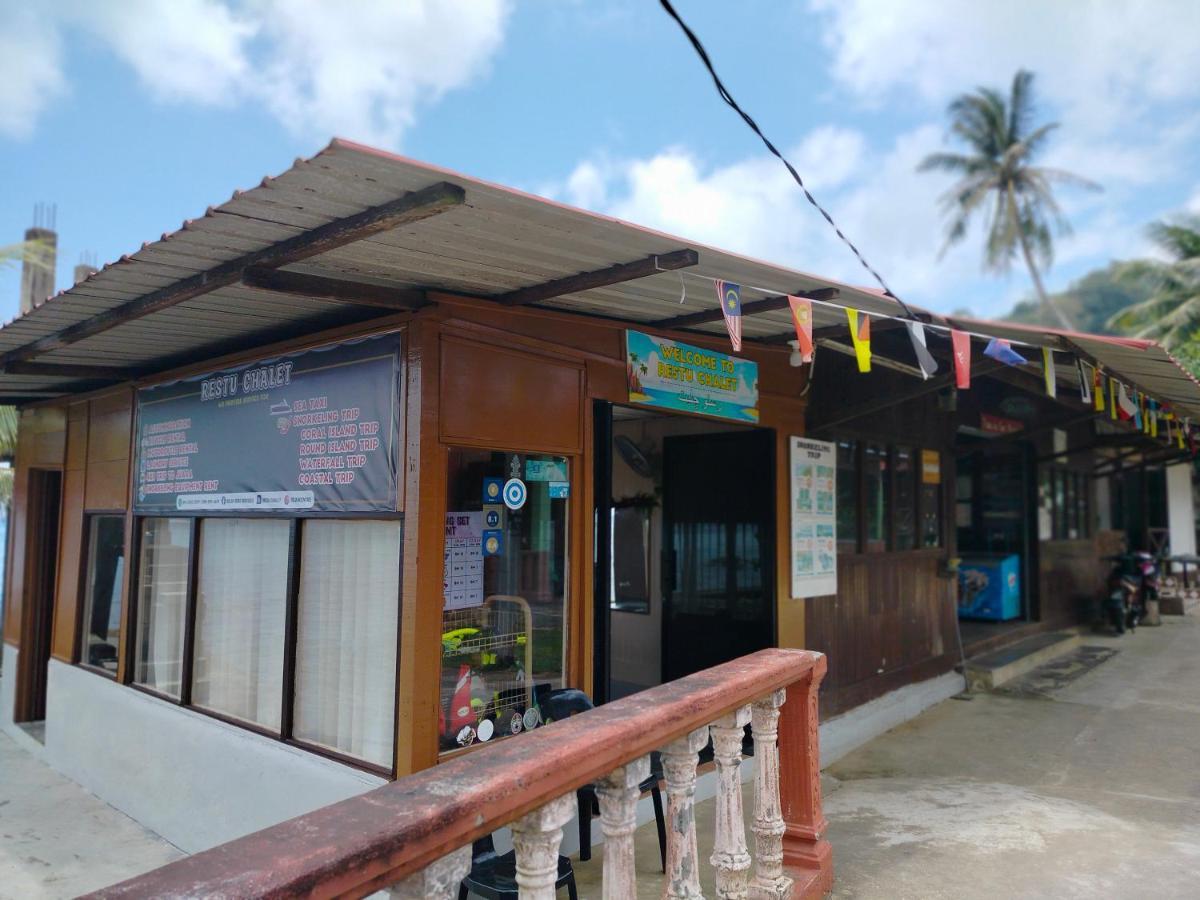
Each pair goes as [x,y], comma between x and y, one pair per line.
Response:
[1181,510]
[194,780]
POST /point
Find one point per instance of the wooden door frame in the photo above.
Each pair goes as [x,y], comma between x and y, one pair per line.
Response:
[40,584]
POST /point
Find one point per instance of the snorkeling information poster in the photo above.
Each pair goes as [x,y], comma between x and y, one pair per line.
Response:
[673,375]
[813,478]
[315,430]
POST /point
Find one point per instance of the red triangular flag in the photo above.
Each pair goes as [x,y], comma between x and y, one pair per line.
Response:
[802,319]
[961,342]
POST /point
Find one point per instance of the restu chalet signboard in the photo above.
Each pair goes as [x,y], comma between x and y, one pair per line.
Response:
[314,431]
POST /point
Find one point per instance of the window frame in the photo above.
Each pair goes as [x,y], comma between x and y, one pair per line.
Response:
[284,734]
[81,605]
[889,484]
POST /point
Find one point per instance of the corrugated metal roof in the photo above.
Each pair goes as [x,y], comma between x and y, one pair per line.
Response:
[498,240]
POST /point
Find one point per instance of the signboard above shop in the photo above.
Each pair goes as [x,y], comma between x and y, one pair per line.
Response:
[670,374]
[314,431]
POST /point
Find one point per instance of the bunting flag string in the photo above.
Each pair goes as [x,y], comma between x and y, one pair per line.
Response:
[916,334]
[1098,389]
[860,335]
[1112,399]
[961,343]
[1002,351]
[1048,373]
[730,297]
[803,320]
[1085,383]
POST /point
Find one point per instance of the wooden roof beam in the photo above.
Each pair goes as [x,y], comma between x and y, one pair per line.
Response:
[335,290]
[587,281]
[411,207]
[67,370]
[753,307]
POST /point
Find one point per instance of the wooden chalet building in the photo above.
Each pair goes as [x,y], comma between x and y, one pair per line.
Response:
[343,476]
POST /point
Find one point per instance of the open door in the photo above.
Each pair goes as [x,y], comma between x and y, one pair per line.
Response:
[719,548]
[41,562]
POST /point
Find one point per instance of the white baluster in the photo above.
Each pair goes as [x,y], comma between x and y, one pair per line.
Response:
[618,793]
[536,837]
[437,881]
[769,882]
[679,767]
[730,857]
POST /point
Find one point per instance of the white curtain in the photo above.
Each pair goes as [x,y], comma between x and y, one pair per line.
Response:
[241,603]
[346,637]
[162,602]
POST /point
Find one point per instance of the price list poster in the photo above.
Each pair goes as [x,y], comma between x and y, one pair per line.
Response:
[813,482]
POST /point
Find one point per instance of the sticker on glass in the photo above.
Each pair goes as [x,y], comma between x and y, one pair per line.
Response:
[532,718]
[466,736]
[559,490]
[492,488]
[493,543]
[485,731]
[514,493]
[493,515]
[545,470]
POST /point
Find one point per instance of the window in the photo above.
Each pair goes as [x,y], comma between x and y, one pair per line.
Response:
[346,637]
[162,580]
[931,498]
[877,495]
[1064,509]
[505,602]
[241,600]
[847,496]
[905,485]
[102,592]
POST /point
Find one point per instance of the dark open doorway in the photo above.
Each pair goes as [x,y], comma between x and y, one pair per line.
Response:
[685,550]
[41,563]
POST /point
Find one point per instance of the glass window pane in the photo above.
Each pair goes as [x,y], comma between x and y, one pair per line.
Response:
[346,636]
[241,598]
[162,603]
[877,489]
[847,496]
[504,608]
[102,592]
[905,485]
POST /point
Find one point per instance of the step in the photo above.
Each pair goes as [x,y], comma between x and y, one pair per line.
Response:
[994,669]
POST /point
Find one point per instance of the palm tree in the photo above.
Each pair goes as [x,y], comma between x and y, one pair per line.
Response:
[998,180]
[8,447]
[1171,314]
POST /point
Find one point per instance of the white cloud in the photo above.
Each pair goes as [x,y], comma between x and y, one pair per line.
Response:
[30,74]
[320,68]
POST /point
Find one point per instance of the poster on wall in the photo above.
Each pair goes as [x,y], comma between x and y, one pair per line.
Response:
[673,375]
[462,579]
[309,431]
[813,479]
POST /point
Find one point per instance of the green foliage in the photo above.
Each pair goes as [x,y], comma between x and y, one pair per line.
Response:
[999,182]
[1090,302]
[1170,314]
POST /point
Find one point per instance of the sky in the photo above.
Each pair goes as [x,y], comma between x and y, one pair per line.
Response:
[132,116]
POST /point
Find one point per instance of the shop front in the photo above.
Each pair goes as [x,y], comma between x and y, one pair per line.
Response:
[366,467]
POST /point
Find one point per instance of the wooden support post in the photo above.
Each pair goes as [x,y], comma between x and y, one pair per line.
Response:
[806,854]
[618,793]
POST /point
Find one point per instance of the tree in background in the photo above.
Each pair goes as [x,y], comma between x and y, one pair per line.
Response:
[997,180]
[1171,313]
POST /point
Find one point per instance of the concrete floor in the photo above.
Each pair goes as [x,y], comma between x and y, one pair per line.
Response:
[57,840]
[1084,789]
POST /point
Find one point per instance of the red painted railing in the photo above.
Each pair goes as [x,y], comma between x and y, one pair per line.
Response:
[415,833]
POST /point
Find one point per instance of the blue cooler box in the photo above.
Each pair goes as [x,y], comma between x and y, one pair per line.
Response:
[989,587]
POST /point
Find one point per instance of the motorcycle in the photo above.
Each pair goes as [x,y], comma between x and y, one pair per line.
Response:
[1132,581]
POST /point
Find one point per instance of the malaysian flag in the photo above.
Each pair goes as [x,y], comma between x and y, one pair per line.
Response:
[730,296]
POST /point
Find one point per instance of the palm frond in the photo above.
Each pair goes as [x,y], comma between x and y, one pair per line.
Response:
[1020,105]
[1179,238]
[9,418]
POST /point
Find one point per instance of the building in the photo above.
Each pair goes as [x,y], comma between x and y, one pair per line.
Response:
[339,478]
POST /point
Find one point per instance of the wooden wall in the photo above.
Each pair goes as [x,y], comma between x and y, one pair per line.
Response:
[41,442]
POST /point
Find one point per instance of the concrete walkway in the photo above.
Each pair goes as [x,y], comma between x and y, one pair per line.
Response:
[1087,788]
[57,840]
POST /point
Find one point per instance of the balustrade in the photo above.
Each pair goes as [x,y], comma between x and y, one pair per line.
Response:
[414,836]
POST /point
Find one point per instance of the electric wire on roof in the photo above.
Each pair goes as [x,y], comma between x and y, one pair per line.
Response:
[746,117]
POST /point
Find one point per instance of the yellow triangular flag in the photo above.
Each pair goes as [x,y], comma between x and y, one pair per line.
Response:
[860,334]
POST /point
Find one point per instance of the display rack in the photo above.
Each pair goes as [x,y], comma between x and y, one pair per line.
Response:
[492,639]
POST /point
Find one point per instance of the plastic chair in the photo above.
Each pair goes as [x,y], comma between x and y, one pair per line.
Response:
[562,703]
[494,875]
